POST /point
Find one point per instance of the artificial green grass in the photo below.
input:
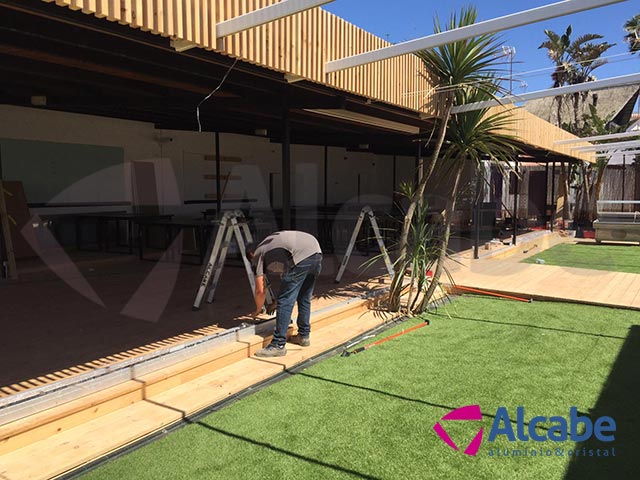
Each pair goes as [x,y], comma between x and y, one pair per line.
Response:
[371,415]
[613,258]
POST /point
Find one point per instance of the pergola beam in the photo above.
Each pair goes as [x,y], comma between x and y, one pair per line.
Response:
[619,152]
[598,138]
[264,15]
[607,147]
[631,79]
[526,17]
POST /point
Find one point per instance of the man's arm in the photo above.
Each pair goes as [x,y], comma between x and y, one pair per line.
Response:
[261,294]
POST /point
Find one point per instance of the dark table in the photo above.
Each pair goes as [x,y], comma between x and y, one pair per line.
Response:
[172,227]
[102,222]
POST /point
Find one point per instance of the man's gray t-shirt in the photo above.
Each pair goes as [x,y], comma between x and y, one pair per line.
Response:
[288,247]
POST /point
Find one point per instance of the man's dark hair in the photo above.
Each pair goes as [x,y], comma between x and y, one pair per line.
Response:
[250,247]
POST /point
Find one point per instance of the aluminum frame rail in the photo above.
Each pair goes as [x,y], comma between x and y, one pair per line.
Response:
[507,22]
[630,79]
[265,15]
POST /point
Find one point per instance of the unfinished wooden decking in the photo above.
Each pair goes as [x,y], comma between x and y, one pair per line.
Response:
[77,429]
[78,432]
[546,282]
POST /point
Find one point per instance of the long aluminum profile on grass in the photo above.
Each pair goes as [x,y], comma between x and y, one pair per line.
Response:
[494,25]
[599,138]
[265,15]
[630,79]
[608,147]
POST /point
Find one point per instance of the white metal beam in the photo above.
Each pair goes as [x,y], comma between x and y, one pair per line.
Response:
[265,15]
[607,147]
[631,79]
[597,138]
[619,152]
[526,17]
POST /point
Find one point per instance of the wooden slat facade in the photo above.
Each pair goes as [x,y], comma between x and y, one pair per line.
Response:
[301,45]
[539,133]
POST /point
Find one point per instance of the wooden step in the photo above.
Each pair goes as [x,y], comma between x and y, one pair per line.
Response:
[93,439]
[20,433]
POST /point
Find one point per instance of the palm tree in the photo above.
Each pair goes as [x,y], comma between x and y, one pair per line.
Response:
[472,137]
[632,27]
[558,52]
[575,62]
[449,68]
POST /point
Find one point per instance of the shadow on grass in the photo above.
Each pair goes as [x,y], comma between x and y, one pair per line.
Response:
[511,324]
[619,400]
[403,398]
[265,445]
[282,451]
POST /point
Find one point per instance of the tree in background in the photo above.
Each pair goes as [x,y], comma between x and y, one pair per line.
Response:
[589,176]
[575,62]
[632,27]
[558,52]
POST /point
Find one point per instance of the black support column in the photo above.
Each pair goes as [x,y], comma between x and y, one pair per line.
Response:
[326,174]
[393,178]
[624,177]
[546,193]
[553,195]
[419,163]
[286,170]
[515,205]
[477,214]
[218,183]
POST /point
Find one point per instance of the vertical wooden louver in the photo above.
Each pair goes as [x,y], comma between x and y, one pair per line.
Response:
[300,44]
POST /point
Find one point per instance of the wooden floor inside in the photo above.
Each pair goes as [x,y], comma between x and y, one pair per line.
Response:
[51,332]
[505,274]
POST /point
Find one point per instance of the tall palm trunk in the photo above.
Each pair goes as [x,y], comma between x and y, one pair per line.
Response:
[576,111]
[419,192]
[448,215]
[595,194]
[559,111]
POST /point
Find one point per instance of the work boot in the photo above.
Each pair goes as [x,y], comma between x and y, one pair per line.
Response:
[300,340]
[271,351]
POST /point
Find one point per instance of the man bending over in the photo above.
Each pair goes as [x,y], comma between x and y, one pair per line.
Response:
[298,257]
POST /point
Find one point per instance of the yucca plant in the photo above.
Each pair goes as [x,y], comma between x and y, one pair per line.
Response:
[472,137]
[450,68]
[412,280]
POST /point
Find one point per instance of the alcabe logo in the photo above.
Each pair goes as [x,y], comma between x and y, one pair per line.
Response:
[574,427]
[470,412]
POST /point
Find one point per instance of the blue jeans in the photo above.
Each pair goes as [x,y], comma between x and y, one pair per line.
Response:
[296,285]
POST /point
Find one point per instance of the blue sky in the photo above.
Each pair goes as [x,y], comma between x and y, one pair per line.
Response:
[400,20]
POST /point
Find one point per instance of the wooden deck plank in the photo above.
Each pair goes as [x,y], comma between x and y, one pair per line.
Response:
[615,289]
[88,441]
